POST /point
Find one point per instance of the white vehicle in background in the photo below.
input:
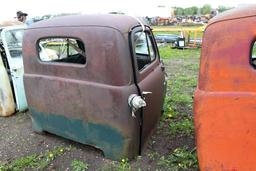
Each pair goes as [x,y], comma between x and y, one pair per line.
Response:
[12,94]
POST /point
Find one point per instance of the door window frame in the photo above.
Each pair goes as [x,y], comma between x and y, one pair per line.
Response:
[141,74]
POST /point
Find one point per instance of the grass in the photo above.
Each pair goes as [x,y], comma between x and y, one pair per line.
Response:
[34,161]
[178,105]
[167,52]
[123,165]
[153,155]
[78,165]
[179,159]
[182,127]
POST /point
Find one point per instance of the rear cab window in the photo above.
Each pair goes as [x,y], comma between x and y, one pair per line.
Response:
[62,50]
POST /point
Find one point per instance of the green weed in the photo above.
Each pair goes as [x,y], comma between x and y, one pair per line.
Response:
[78,165]
[192,67]
[153,155]
[34,161]
[182,87]
[123,165]
[179,159]
[178,105]
[168,110]
[182,127]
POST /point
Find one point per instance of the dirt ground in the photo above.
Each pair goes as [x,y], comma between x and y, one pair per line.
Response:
[17,139]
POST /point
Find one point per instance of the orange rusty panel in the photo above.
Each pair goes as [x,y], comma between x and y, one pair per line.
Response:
[224,103]
[226,130]
[225,56]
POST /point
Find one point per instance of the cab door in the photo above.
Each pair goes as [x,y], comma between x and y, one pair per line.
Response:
[150,79]
[12,41]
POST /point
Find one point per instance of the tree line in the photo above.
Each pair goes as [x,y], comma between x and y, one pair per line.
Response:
[194,10]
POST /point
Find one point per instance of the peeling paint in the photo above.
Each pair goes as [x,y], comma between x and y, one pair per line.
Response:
[104,137]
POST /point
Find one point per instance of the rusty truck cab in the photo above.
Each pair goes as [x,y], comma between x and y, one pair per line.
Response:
[95,79]
[224,103]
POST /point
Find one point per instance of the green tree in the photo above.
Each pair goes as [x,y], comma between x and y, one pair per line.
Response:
[188,11]
[195,10]
[178,11]
[206,9]
[222,8]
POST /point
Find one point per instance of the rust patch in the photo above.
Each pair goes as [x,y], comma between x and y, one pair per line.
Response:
[224,102]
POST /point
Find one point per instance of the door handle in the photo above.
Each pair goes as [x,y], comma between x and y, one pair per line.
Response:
[144,93]
[162,67]
[135,102]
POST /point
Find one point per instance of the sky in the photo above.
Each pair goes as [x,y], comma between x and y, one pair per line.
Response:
[130,7]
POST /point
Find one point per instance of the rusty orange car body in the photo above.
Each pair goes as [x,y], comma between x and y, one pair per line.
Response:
[224,101]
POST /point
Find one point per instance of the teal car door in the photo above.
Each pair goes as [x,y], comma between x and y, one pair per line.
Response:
[12,41]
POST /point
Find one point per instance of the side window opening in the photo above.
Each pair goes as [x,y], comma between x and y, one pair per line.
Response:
[253,55]
[14,42]
[152,52]
[62,50]
[144,49]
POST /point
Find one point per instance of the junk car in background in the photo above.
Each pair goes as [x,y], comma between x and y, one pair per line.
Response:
[224,102]
[175,40]
[12,94]
[166,38]
[95,79]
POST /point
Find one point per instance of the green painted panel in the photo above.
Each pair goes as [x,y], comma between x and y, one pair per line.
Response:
[104,137]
